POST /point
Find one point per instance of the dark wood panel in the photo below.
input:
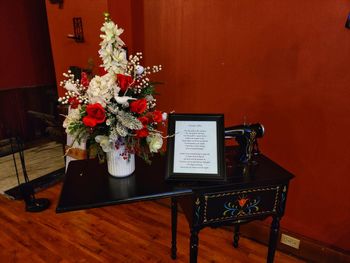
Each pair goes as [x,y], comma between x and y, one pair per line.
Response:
[14,107]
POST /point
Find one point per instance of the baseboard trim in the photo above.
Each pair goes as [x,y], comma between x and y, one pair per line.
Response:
[309,250]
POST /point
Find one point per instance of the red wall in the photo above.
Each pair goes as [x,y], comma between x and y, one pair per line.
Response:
[67,52]
[282,63]
[123,19]
[25,58]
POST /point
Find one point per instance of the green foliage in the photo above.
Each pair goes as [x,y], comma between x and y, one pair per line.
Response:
[78,129]
[150,89]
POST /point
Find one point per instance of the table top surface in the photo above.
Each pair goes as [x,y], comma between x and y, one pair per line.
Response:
[87,183]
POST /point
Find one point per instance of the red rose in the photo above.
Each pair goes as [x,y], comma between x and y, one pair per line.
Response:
[89,122]
[138,106]
[84,79]
[124,81]
[95,114]
[157,116]
[144,120]
[74,102]
[142,133]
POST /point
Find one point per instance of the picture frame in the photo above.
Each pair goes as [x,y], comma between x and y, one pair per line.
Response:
[195,148]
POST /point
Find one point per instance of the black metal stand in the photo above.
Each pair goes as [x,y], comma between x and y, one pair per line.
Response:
[26,189]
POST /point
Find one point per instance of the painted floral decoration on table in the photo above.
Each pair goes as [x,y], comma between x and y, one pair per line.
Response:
[118,107]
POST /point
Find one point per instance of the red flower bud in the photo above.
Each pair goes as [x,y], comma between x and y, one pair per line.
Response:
[74,102]
[84,79]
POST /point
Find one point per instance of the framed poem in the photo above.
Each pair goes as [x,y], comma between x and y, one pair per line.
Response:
[195,149]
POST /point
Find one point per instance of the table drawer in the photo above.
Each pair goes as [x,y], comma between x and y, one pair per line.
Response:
[222,206]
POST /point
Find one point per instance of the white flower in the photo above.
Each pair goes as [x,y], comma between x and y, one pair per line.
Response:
[101,89]
[112,33]
[98,99]
[114,61]
[155,142]
[73,116]
[112,53]
[120,62]
[106,144]
[164,116]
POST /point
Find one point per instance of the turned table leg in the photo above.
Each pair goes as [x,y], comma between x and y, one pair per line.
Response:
[173,227]
[275,226]
[236,235]
[193,246]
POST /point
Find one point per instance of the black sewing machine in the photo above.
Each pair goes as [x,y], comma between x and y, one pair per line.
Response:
[246,136]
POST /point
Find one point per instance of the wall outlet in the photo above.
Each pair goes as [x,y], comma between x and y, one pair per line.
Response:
[290,241]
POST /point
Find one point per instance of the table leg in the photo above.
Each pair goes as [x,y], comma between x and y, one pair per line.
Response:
[173,226]
[275,226]
[236,235]
[194,246]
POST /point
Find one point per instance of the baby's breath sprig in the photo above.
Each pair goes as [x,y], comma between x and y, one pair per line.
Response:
[156,69]
[140,73]
[74,90]
[151,103]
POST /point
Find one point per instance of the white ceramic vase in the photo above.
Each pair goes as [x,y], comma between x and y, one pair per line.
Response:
[120,165]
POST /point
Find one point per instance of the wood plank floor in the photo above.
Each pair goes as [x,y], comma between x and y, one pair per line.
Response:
[138,232]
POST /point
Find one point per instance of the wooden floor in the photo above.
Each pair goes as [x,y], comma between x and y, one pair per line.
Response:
[138,232]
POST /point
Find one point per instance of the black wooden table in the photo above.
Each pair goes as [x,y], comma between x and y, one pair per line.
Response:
[251,192]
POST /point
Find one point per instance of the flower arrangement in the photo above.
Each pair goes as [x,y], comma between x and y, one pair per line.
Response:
[117,107]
